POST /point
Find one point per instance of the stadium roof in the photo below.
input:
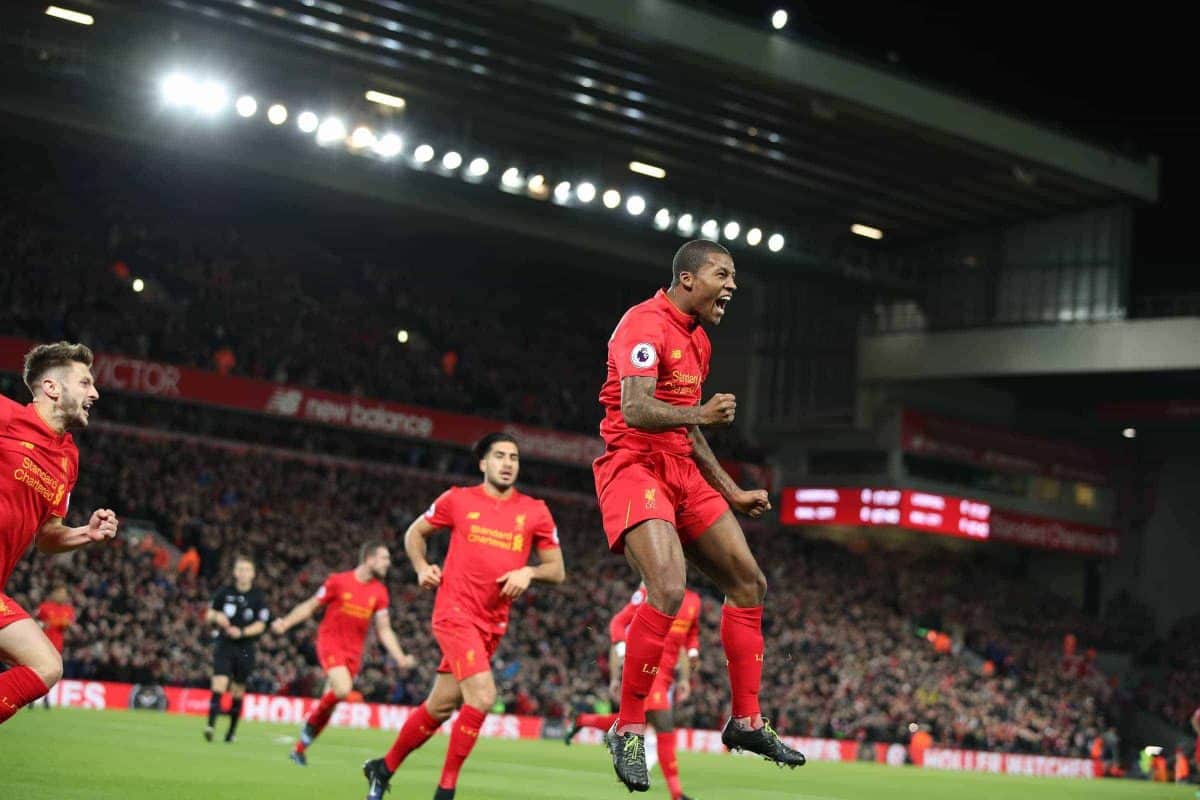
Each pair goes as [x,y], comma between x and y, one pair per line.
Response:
[727,109]
[749,125]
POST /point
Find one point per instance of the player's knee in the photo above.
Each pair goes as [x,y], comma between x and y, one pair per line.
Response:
[750,589]
[440,710]
[481,697]
[760,587]
[49,668]
[665,594]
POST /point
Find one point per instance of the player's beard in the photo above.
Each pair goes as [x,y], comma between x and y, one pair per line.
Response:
[72,411]
[380,572]
[500,483]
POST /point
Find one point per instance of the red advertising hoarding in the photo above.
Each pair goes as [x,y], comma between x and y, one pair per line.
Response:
[998,449]
[941,514]
[313,405]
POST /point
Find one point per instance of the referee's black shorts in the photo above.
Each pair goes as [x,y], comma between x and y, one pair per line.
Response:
[234,660]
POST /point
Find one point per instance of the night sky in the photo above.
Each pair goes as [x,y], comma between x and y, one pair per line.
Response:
[1113,77]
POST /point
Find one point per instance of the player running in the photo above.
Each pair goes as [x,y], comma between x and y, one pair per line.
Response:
[493,527]
[56,615]
[239,616]
[352,600]
[682,648]
[39,465]
[666,501]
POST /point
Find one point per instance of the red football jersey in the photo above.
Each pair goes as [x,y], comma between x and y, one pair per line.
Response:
[38,469]
[685,629]
[55,619]
[349,606]
[655,340]
[488,537]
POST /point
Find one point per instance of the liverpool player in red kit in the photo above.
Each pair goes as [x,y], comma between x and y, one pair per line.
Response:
[665,500]
[493,528]
[353,600]
[682,647]
[56,616]
[38,468]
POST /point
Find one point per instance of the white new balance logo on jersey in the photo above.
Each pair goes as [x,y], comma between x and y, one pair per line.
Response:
[285,402]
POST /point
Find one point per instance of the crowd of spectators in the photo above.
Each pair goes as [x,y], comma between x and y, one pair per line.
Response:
[844,654]
[1176,697]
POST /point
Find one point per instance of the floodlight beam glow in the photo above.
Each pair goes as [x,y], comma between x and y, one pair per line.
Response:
[649,170]
[385,99]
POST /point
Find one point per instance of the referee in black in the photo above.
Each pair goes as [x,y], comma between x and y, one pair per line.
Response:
[239,615]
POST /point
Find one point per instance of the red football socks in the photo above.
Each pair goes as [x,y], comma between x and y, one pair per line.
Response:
[643,651]
[601,721]
[669,763]
[416,731]
[319,717]
[463,736]
[18,687]
[741,635]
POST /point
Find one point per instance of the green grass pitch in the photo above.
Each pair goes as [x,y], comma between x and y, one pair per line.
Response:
[67,754]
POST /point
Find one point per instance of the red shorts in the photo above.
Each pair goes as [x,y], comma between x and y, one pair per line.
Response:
[633,487]
[335,655]
[662,693]
[467,649]
[10,612]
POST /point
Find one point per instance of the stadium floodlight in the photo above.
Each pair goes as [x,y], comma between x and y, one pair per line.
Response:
[277,114]
[246,106]
[635,205]
[536,184]
[389,145]
[362,137]
[423,154]
[562,192]
[775,243]
[649,170]
[211,98]
[138,285]
[307,121]
[662,219]
[753,237]
[711,229]
[686,224]
[511,178]
[586,192]
[1129,433]
[331,130]
[478,167]
[385,99]
[452,160]
[611,198]
[178,89]
[402,336]
[78,17]
[866,230]
[732,229]
[779,20]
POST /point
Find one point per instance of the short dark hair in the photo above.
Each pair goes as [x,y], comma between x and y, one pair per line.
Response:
[368,549]
[694,255]
[484,445]
[46,357]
